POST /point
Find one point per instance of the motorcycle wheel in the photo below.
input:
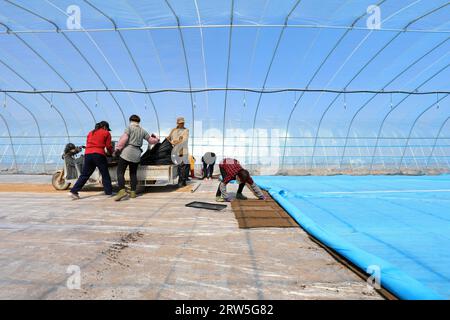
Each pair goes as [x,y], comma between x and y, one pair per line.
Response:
[59,184]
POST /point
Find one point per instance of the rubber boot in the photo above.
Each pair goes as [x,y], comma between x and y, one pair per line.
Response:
[121,194]
[182,175]
[240,196]
[186,174]
[133,194]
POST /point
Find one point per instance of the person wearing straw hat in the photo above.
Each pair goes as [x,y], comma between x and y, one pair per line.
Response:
[177,136]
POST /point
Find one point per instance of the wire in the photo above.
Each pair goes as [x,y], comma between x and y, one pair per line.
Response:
[251,90]
[220,26]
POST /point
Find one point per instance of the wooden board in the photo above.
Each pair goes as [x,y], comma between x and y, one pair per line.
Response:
[261,214]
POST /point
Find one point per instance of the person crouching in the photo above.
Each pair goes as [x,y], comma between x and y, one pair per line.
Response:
[231,169]
[128,150]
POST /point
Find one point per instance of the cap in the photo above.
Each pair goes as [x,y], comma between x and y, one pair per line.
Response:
[104,124]
[180,120]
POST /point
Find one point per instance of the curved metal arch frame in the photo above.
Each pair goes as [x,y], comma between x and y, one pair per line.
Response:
[56,72]
[341,38]
[107,61]
[203,51]
[376,94]
[269,69]
[187,71]
[142,79]
[43,96]
[29,111]
[37,126]
[412,128]
[339,94]
[58,30]
[137,68]
[95,72]
[10,141]
[131,58]
[392,109]
[230,35]
[316,136]
[435,141]
[252,58]
[361,70]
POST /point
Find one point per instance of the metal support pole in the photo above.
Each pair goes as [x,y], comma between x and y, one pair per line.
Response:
[130,55]
[435,141]
[37,126]
[382,90]
[339,41]
[364,67]
[392,109]
[227,78]
[10,141]
[286,20]
[187,71]
[412,128]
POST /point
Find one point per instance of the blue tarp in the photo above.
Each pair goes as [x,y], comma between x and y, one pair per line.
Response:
[399,223]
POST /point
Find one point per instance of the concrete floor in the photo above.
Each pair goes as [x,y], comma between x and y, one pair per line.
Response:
[153,247]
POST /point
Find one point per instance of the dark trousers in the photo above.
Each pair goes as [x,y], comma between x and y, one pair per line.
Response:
[224,174]
[92,161]
[208,170]
[183,172]
[121,168]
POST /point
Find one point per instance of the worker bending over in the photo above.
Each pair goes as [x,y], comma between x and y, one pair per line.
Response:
[129,152]
[72,165]
[208,160]
[230,169]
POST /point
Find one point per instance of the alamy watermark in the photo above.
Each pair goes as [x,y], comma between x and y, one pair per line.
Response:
[73,21]
[373,21]
[74,280]
[374,280]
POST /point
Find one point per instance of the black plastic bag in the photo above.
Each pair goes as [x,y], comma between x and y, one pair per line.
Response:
[160,154]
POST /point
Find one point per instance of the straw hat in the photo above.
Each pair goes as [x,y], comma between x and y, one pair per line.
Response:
[180,120]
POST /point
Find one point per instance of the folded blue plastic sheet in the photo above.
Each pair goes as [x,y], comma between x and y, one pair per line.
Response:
[399,223]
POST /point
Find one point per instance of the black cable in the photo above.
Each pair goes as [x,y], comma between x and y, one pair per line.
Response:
[264,91]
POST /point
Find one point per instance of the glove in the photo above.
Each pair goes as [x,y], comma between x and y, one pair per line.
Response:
[153,139]
[116,153]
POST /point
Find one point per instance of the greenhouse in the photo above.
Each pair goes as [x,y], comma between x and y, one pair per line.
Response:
[339,109]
